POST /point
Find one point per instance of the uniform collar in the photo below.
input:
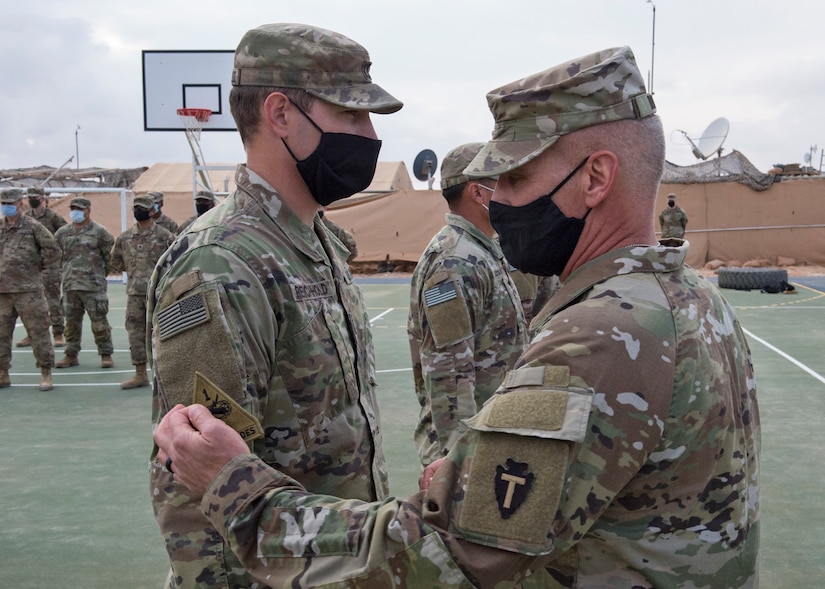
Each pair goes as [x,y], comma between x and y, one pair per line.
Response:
[667,256]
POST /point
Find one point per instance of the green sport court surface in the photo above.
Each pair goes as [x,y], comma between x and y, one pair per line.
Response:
[73,467]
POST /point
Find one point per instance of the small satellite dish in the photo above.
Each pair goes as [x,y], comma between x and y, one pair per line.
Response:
[424,166]
[711,140]
[807,158]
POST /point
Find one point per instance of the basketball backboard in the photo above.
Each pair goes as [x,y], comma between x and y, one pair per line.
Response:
[186,79]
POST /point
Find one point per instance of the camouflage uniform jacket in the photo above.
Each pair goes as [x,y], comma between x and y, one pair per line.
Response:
[87,256]
[673,222]
[136,251]
[286,335]
[621,452]
[466,328]
[168,223]
[343,235]
[26,249]
[48,218]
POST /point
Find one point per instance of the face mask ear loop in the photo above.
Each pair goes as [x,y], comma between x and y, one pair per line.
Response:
[300,110]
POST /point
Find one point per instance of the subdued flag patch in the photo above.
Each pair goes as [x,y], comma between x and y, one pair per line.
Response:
[440,293]
[182,315]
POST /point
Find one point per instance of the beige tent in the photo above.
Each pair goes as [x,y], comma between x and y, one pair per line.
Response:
[391,221]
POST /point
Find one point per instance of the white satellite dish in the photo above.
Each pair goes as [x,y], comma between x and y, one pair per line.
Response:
[711,140]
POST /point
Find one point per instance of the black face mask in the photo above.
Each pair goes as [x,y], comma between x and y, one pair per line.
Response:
[341,165]
[142,214]
[201,208]
[538,238]
[34,202]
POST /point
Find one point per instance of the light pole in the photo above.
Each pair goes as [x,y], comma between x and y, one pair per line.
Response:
[652,49]
[77,148]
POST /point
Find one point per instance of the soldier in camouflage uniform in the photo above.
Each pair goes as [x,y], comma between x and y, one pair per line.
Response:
[672,220]
[27,250]
[254,308]
[87,257]
[160,217]
[204,201]
[623,449]
[136,251]
[466,325]
[51,277]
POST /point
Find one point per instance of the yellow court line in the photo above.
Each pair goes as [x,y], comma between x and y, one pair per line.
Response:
[819,295]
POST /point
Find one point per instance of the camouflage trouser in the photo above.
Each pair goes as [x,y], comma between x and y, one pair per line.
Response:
[96,304]
[136,327]
[32,309]
[51,285]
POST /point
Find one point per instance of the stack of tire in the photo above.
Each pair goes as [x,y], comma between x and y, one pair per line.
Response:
[748,278]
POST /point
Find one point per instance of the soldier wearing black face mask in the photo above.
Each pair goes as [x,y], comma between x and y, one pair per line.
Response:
[39,211]
[204,201]
[256,295]
[673,219]
[135,252]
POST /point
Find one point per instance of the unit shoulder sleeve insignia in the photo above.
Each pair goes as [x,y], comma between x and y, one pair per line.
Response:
[226,409]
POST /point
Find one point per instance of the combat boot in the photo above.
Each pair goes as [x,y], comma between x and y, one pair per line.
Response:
[59,340]
[46,379]
[106,361]
[24,343]
[140,379]
[67,361]
[5,381]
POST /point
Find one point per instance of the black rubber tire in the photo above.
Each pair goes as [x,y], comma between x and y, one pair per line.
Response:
[748,278]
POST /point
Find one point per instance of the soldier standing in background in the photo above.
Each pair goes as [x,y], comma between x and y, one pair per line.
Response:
[27,251]
[160,217]
[204,200]
[466,323]
[39,210]
[673,220]
[87,255]
[136,251]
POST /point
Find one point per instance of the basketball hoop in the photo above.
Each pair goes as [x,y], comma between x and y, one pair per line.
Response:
[193,120]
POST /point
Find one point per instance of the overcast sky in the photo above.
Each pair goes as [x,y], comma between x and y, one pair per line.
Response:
[70,63]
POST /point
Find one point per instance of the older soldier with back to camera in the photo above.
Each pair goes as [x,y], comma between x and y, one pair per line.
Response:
[254,307]
[623,449]
[466,324]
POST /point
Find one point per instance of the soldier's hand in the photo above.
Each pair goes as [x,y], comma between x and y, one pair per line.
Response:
[195,445]
[429,471]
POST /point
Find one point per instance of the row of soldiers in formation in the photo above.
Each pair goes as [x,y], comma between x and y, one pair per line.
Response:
[52,273]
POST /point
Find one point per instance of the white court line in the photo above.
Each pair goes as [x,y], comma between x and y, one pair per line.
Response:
[790,359]
[377,317]
[394,370]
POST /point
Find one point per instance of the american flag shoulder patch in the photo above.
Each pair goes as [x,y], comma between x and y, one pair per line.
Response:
[182,315]
[440,293]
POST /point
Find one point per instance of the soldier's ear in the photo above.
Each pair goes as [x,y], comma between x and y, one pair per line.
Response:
[598,176]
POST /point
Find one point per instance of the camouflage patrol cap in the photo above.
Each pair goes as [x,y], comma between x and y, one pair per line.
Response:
[79,202]
[11,195]
[452,168]
[324,63]
[205,195]
[671,196]
[35,191]
[156,195]
[533,112]
[143,201]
